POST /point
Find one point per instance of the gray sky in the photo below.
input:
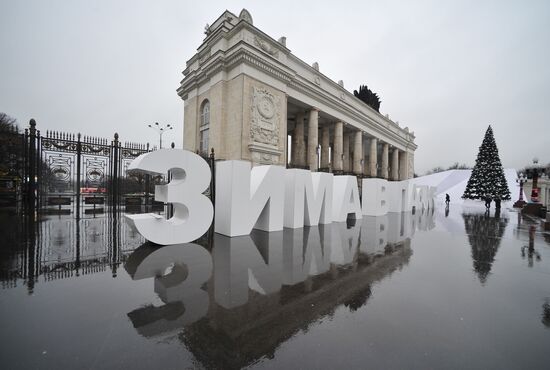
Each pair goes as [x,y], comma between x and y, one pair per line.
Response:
[445,69]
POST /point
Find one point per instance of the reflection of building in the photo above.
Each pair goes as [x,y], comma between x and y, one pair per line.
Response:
[233,338]
[248,295]
[484,234]
[248,97]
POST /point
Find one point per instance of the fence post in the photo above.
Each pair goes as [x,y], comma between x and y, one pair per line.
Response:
[147,185]
[78,175]
[31,189]
[39,184]
[115,162]
[25,185]
[213,177]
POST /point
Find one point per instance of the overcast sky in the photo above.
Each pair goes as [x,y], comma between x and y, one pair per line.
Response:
[445,69]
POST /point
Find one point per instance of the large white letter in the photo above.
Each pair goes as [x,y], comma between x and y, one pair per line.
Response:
[193,211]
[375,197]
[400,194]
[247,199]
[345,198]
[308,198]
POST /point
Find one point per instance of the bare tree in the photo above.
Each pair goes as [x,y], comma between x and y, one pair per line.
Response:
[8,123]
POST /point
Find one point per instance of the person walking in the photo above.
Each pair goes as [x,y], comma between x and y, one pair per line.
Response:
[497,202]
[447,199]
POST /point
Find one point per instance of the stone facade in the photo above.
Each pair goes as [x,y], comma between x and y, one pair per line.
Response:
[247,97]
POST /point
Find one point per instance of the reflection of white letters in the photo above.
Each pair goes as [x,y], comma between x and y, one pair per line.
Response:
[193,211]
[345,198]
[308,198]
[344,242]
[241,263]
[191,267]
[247,198]
[424,197]
[305,253]
[374,234]
[432,190]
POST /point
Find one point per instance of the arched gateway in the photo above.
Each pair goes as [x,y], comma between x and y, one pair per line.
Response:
[258,94]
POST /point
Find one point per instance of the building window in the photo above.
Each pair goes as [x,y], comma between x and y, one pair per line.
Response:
[204,141]
[205,113]
[204,127]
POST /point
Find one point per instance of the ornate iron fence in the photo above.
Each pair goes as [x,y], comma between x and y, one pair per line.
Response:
[83,171]
[67,173]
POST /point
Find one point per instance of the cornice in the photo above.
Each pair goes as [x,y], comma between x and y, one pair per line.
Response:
[357,117]
[360,115]
[226,61]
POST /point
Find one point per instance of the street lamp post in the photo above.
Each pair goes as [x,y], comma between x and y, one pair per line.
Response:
[534,207]
[160,129]
[520,180]
[535,170]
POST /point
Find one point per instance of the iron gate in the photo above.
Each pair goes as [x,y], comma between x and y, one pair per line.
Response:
[70,173]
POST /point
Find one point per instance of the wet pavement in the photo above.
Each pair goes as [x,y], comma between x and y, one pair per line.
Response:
[450,288]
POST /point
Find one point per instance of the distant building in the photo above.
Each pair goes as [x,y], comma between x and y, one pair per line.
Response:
[248,97]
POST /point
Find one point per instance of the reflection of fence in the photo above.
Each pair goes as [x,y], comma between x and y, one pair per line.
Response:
[64,247]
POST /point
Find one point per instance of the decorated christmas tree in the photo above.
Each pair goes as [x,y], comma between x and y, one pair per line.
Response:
[487,179]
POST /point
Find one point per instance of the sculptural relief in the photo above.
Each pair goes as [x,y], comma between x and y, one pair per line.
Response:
[265,116]
[265,46]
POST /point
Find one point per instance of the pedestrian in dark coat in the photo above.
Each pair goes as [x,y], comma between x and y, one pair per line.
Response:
[487,202]
[497,202]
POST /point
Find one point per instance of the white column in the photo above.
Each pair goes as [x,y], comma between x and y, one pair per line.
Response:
[395,165]
[346,153]
[373,156]
[338,164]
[385,160]
[298,142]
[365,157]
[313,139]
[358,152]
[325,145]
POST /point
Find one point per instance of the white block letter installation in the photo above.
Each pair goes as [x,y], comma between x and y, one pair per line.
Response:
[263,197]
[308,198]
[345,198]
[248,199]
[193,211]
[375,197]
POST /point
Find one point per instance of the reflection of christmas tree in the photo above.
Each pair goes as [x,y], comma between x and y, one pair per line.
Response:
[546,313]
[487,178]
[484,234]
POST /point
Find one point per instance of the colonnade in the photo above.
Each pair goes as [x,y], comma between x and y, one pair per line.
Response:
[343,149]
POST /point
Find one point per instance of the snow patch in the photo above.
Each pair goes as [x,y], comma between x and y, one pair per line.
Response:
[453,182]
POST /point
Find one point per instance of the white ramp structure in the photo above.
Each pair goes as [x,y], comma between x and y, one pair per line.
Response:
[453,182]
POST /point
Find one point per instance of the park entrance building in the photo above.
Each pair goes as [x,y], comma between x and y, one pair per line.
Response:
[248,97]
